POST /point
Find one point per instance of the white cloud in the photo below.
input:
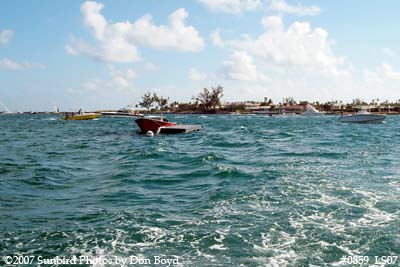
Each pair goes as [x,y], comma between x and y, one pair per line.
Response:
[118,42]
[9,64]
[282,7]
[196,75]
[384,73]
[390,52]
[383,82]
[91,85]
[297,46]
[372,77]
[114,91]
[151,66]
[288,60]
[216,38]
[6,36]
[389,72]
[231,6]
[175,36]
[93,19]
[72,91]
[120,80]
[273,23]
[240,66]
[77,46]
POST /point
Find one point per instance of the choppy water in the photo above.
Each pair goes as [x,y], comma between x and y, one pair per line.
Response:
[244,191]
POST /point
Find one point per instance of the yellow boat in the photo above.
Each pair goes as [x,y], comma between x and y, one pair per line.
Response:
[85,116]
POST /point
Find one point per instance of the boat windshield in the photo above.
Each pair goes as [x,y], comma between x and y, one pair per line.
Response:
[363,110]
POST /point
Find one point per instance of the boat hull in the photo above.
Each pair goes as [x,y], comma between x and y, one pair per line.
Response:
[81,117]
[312,114]
[146,124]
[363,118]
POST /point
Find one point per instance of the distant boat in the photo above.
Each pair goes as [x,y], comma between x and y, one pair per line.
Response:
[363,116]
[6,110]
[80,116]
[56,110]
[122,113]
[311,112]
[264,112]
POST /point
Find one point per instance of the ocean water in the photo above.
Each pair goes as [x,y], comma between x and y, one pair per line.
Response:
[244,191]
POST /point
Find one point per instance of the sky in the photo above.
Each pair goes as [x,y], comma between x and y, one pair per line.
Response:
[107,54]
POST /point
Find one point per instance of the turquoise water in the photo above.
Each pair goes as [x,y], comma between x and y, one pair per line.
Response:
[244,191]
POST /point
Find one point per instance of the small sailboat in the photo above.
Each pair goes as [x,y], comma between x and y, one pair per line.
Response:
[6,110]
[80,116]
[56,110]
[363,116]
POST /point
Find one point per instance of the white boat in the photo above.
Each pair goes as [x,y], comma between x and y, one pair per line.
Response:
[6,110]
[363,116]
[311,111]
[123,113]
[56,110]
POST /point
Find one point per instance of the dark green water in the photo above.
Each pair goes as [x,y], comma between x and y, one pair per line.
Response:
[244,191]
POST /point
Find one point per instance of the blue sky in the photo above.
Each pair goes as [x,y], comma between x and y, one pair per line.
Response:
[106,54]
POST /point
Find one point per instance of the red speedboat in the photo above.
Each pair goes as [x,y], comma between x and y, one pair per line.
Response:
[153,124]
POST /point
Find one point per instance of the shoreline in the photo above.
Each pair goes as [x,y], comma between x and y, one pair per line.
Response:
[205,113]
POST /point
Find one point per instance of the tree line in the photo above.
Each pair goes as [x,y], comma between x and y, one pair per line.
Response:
[206,101]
